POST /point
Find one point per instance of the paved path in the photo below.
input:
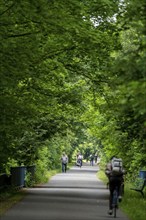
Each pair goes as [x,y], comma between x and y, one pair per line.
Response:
[75,195]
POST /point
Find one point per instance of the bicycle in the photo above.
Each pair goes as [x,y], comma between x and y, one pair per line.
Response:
[115,201]
[79,163]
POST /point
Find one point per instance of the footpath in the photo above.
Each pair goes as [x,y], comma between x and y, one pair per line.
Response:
[75,195]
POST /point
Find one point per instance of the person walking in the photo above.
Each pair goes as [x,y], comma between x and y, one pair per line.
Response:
[64,161]
[91,157]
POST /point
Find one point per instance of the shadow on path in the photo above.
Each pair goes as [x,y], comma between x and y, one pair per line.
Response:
[75,195]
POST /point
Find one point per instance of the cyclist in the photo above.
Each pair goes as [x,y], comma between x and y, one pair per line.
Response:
[80,159]
[114,181]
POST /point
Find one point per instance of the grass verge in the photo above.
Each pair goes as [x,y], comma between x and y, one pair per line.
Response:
[133,205]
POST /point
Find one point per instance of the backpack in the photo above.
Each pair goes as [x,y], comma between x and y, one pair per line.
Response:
[117,166]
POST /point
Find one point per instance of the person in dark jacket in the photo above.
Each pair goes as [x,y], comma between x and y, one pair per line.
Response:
[114,181]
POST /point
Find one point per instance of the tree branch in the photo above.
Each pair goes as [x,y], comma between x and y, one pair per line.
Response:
[7,9]
[22,35]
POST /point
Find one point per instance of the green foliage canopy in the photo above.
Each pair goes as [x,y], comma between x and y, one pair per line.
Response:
[72,71]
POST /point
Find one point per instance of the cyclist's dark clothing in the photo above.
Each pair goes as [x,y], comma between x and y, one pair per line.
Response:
[114,181]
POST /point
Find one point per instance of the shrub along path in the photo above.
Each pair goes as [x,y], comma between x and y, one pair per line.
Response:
[75,195]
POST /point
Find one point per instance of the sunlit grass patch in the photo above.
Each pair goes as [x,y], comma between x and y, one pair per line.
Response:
[133,204]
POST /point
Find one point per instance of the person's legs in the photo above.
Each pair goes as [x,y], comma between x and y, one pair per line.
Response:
[111,188]
[63,168]
[91,162]
[120,190]
[113,183]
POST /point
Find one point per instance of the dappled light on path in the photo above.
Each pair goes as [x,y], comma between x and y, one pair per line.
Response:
[75,195]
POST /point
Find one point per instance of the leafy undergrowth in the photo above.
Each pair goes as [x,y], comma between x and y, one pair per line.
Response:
[133,204]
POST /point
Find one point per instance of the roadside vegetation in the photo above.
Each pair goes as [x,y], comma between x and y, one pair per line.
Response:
[73,78]
[11,196]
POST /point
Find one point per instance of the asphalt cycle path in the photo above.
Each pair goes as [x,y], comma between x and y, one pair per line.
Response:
[75,195]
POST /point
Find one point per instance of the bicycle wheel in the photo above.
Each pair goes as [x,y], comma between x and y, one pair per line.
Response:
[115,202]
[115,211]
